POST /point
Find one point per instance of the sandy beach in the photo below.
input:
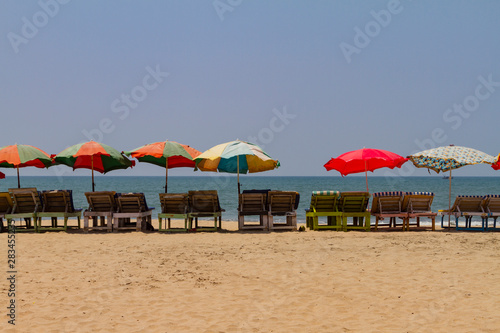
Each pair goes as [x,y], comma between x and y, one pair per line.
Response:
[255,282]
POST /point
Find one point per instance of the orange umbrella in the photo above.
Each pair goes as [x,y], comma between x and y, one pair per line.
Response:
[168,154]
[20,156]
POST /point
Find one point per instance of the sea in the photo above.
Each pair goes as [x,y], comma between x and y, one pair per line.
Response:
[227,187]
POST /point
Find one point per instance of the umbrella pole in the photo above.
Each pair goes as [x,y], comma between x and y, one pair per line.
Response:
[366,178]
[238,167]
[449,202]
[166,173]
[18,181]
[92,166]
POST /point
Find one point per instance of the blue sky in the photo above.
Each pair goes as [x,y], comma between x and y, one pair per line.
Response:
[306,80]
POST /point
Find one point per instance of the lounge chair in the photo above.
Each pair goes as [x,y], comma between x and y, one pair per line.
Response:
[466,206]
[27,205]
[282,203]
[204,204]
[57,203]
[491,206]
[6,206]
[354,204]
[417,205]
[324,204]
[173,206]
[102,205]
[130,206]
[253,203]
[388,205]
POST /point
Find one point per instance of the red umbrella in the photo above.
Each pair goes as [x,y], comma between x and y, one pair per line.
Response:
[496,165]
[2,175]
[364,160]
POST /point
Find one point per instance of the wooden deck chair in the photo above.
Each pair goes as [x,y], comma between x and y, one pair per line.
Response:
[58,203]
[466,206]
[282,203]
[131,206]
[324,204]
[102,205]
[388,205]
[27,205]
[491,206]
[253,203]
[354,204]
[417,205]
[204,204]
[173,206]
[6,206]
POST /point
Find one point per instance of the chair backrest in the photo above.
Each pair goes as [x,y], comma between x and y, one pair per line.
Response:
[174,203]
[58,201]
[324,201]
[418,202]
[131,202]
[491,204]
[469,203]
[204,202]
[26,200]
[101,201]
[353,202]
[387,202]
[281,202]
[6,203]
[252,202]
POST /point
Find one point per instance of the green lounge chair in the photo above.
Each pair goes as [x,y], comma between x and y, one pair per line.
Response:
[491,206]
[388,205]
[466,206]
[353,205]
[253,203]
[57,203]
[282,203]
[102,205]
[6,206]
[27,205]
[204,204]
[418,205]
[131,206]
[173,206]
[324,204]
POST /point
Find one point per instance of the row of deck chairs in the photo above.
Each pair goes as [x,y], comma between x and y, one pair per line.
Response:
[469,206]
[338,207]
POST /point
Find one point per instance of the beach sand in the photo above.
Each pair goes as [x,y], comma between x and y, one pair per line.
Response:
[255,282]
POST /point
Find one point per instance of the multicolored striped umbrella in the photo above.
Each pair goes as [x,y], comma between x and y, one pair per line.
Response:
[167,154]
[235,157]
[95,156]
[20,156]
[447,158]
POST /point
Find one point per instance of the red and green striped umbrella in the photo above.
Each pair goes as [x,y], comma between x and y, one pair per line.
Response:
[167,154]
[94,156]
[20,156]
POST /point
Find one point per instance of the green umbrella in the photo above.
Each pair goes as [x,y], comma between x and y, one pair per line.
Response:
[20,156]
[95,156]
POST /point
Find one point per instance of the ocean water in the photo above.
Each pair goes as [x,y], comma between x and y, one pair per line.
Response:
[226,185]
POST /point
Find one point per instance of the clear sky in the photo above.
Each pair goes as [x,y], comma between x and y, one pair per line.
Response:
[306,80]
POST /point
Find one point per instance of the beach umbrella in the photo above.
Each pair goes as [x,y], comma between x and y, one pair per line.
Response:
[167,154]
[20,156]
[94,156]
[235,157]
[447,158]
[364,160]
